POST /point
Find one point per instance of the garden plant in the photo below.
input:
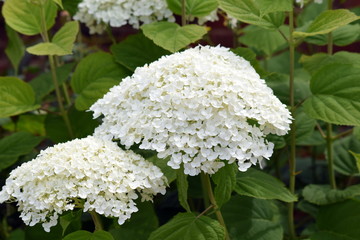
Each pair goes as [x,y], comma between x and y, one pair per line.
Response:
[180,120]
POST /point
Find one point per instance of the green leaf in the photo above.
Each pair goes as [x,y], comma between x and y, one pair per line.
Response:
[172,36]
[265,13]
[93,92]
[33,124]
[182,187]
[95,70]
[140,225]
[317,61]
[15,48]
[25,17]
[338,221]
[323,194]
[264,40]
[328,21]
[185,226]
[16,97]
[59,2]
[225,180]
[257,184]
[252,219]
[250,56]
[85,235]
[16,145]
[71,6]
[169,172]
[136,51]
[357,159]
[344,162]
[310,12]
[71,222]
[336,95]
[43,84]
[305,126]
[342,36]
[82,125]
[61,44]
[196,8]
[37,232]
[17,234]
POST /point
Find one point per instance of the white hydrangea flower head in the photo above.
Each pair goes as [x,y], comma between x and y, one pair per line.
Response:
[96,14]
[93,170]
[197,106]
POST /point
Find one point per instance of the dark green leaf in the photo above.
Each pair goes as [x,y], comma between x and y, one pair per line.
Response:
[140,225]
[137,50]
[197,8]
[317,61]
[338,221]
[264,40]
[82,125]
[16,97]
[17,234]
[252,219]
[37,232]
[250,56]
[71,6]
[95,68]
[16,145]
[33,124]
[305,126]
[323,194]
[43,84]
[225,180]
[172,36]
[15,48]
[182,187]
[71,222]
[258,184]
[344,162]
[336,95]
[85,235]
[185,226]
[25,17]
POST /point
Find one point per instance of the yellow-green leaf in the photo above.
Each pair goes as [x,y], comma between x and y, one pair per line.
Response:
[172,36]
[16,97]
[328,21]
[25,17]
[61,44]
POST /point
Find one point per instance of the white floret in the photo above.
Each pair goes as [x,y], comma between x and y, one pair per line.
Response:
[203,107]
[97,172]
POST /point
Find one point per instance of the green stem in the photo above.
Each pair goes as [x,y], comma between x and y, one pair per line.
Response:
[218,214]
[330,155]
[292,160]
[329,138]
[45,36]
[97,221]
[183,12]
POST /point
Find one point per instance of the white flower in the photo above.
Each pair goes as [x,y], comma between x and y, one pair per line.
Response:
[301,2]
[96,14]
[202,107]
[95,171]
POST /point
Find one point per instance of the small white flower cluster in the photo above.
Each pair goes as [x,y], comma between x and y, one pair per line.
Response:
[302,2]
[201,106]
[96,14]
[92,170]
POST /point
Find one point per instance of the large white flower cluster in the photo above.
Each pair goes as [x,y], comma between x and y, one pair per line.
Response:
[96,14]
[97,172]
[200,106]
